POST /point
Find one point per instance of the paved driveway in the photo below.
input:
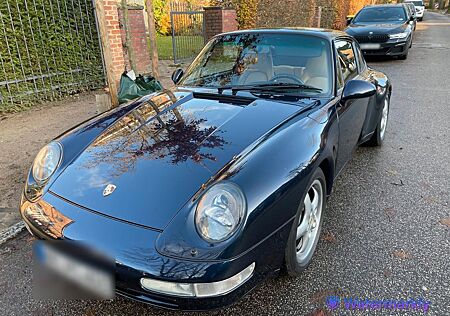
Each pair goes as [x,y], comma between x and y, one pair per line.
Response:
[384,235]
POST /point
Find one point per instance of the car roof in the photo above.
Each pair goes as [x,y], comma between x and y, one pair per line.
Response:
[328,34]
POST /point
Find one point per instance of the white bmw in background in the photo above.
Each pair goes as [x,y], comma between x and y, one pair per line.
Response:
[420,8]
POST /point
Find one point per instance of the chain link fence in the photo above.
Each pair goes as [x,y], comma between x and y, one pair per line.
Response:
[49,49]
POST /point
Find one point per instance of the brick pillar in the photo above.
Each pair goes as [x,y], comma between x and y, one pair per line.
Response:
[219,20]
[114,37]
[138,36]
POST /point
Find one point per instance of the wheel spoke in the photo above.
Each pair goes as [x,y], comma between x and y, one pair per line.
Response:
[305,242]
[315,201]
[302,228]
[308,206]
[303,225]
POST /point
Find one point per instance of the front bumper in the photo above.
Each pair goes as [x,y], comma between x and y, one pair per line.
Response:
[133,248]
[391,48]
[419,14]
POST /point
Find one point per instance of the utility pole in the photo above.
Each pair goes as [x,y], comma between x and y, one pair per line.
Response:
[103,30]
[152,35]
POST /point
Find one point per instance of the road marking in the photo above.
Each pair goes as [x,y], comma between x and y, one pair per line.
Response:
[11,232]
[433,23]
[430,45]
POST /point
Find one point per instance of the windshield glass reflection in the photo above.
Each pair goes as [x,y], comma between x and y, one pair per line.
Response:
[255,59]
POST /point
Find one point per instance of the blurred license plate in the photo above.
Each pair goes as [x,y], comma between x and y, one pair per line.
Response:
[370,46]
[71,268]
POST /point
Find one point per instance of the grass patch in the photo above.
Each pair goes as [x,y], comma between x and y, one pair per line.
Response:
[164,44]
[187,46]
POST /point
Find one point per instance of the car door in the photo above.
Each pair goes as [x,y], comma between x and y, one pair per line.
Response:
[352,113]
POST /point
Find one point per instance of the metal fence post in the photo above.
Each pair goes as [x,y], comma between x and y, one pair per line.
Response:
[174,45]
[319,16]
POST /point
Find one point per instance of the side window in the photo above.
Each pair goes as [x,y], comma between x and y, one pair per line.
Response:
[346,60]
[359,56]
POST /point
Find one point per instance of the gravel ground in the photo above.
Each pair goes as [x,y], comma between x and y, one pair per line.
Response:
[386,233]
[21,137]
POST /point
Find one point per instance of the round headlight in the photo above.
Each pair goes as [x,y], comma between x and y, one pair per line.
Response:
[220,211]
[46,161]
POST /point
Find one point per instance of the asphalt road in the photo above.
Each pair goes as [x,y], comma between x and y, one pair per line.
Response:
[384,235]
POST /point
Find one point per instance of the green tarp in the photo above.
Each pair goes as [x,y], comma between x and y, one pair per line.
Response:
[131,89]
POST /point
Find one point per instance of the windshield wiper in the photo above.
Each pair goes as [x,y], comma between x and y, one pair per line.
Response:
[268,87]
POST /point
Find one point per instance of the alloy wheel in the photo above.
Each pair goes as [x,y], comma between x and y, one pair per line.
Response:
[309,222]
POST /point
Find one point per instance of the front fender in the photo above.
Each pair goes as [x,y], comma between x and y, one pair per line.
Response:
[273,176]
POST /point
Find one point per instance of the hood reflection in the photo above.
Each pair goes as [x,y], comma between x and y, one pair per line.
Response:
[156,130]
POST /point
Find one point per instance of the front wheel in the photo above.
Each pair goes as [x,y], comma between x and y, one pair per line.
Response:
[404,56]
[380,131]
[305,232]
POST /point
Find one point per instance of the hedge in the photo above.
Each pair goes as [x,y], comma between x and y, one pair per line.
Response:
[49,49]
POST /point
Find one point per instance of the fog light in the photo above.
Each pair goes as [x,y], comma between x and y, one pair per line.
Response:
[198,289]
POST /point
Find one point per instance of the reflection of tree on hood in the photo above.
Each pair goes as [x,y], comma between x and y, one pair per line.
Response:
[184,140]
[170,136]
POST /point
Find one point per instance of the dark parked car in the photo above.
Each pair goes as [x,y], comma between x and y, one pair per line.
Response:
[411,9]
[420,8]
[201,192]
[385,30]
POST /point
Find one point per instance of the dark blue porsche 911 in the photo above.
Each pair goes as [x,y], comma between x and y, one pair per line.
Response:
[200,192]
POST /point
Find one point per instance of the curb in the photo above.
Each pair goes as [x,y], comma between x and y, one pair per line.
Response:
[11,232]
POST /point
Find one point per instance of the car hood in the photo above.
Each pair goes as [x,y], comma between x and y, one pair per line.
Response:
[364,29]
[158,155]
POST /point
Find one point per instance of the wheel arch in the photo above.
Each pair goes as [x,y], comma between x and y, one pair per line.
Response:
[327,166]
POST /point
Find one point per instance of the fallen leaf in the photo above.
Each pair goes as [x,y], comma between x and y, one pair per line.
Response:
[398,183]
[390,213]
[401,254]
[392,172]
[387,273]
[330,237]
[89,312]
[319,312]
[445,221]
[321,296]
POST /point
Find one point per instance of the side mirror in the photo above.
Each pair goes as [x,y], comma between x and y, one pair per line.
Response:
[349,19]
[176,75]
[358,89]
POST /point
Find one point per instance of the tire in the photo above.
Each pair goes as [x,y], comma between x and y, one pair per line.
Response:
[380,131]
[421,19]
[296,259]
[405,55]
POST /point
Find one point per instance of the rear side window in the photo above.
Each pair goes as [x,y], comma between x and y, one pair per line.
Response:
[347,66]
[359,57]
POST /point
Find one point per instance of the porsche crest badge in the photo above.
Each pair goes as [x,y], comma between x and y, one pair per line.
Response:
[109,189]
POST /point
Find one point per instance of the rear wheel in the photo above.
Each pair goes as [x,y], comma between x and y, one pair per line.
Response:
[380,131]
[305,232]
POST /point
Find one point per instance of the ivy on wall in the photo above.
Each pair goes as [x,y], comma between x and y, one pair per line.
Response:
[49,48]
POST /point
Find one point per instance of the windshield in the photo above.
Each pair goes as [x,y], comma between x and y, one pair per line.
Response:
[252,59]
[381,14]
[416,3]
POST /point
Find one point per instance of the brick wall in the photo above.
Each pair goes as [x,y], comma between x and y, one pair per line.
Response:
[138,35]
[114,37]
[219,20]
